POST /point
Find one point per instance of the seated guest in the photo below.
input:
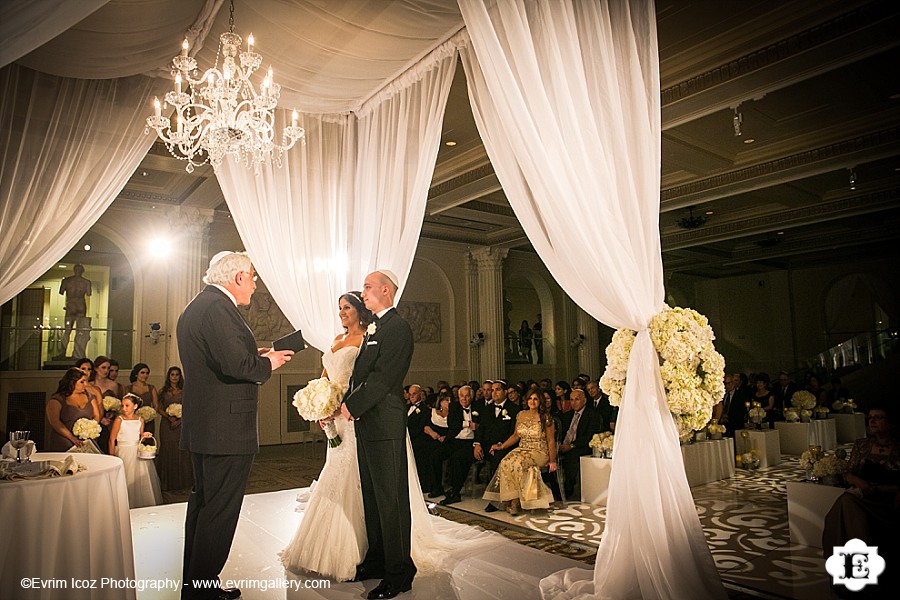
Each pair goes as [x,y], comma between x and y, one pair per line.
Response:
[869,510]
[416,418]
[814,387]
[497,423]
[70,403]
[513,395]
[579,425]
[563,404]
[766,398]
[458,451]
[517,481]
[437,431]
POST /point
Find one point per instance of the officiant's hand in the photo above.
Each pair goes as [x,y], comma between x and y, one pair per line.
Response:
[262,351]
[278,357]
[346,412]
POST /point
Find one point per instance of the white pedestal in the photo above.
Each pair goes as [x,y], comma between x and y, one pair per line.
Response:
[595,479]
[767,444]
[808,503]
[796,438]
[708,461]
[850,427]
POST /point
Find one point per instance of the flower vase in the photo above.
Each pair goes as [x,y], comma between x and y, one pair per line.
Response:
[833,480]
[804,418]
[596,452]
[716,435]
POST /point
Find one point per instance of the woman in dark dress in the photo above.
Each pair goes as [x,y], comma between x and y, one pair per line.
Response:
[145,391]
[173,463]
[70,403]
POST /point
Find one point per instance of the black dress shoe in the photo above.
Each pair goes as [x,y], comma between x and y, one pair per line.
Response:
[450,499]
[364,573]
[490,508]
[436,494]
[387,590]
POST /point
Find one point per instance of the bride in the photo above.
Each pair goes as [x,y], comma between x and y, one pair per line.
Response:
[331,537]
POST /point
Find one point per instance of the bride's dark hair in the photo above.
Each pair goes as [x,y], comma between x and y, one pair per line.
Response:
[356,301]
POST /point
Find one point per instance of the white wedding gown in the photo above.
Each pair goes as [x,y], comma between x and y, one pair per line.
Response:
[331,537]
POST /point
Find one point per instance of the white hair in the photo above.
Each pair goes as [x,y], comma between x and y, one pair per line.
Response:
[223,270]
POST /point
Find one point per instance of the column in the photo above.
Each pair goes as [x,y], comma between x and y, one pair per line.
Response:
[189,230]
[472,310]
[489,303]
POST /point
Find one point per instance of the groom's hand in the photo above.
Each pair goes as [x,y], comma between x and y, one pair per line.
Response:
[346,412]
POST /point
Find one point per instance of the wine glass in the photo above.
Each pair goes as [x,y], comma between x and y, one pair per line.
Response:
[18,439]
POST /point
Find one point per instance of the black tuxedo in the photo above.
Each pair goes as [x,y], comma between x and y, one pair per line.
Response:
[783,396]
[376,402]
[736,412]
[589,424]
[495,429]
[458,451]
[219,424]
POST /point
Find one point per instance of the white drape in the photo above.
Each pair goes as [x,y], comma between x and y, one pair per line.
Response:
[27,24]
[566,98]
[68,148]
[350,201]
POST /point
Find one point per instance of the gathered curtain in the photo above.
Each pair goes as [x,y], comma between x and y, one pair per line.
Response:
[68,148]
[565,95]
[348,201]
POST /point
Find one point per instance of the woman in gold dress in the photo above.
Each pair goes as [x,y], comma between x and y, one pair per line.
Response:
[517,482]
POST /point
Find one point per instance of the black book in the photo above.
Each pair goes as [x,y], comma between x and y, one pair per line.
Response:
[292,341]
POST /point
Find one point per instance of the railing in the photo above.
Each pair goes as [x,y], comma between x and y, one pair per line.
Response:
[37,347]
[858,351]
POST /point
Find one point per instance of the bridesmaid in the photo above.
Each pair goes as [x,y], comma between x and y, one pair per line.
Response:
[144,390]
[108,389]
[70,403]
[173,463]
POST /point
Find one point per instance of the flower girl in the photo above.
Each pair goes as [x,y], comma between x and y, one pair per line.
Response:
[124,440]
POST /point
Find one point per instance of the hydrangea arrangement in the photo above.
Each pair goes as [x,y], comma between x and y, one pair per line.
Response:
[830,465]
[691,369]
[810,458]
[803,400]
[791,415]
[603,442]
[319,400]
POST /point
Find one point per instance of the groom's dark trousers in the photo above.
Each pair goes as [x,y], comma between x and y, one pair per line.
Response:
[376,402]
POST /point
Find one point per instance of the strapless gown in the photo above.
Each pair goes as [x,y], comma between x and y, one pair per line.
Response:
[331,537]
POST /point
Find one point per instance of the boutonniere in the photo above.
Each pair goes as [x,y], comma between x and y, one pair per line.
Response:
[504,413]
[372,328]
[474,413]
[418,410]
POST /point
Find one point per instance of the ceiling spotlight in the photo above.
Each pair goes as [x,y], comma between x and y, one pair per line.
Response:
[87,247]
[450,143]
[709,212]
[749,140]
[852,179]
[692,222]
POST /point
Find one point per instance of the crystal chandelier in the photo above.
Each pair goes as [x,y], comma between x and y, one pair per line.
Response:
[221,112]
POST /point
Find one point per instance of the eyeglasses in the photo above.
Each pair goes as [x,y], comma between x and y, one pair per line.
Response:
[253,276]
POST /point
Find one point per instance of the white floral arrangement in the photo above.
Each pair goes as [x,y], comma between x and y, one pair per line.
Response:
[174,410]
[810,458]
[147,413]
[715,427]
[319,400]
[821,412]
[829,466]
[847,406]
[86,429]
[758,413]
[748,460]
[791,415]
[803,400]
[691,369]
[112,404]
[603,442]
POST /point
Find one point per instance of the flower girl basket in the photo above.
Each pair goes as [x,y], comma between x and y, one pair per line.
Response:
[147,448]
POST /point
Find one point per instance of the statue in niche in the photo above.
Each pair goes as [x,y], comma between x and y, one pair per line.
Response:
[265,319]
[76,288]
[424,319]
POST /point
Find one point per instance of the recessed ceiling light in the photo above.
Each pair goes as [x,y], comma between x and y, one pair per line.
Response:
[450,143]
[749,141]
[62,266]
[780,233]
[143,173]
[87,247]
[709,212]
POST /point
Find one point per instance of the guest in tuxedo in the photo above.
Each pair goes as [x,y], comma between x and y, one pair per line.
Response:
[458,453]
[417,413]
[782,392]
[579,424]
[599,402]
[375,400]
[223,370]
[498,423]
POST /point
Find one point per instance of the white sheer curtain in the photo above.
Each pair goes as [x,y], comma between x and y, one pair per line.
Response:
[566,98]
[27,24]
[68,148]
[350,201]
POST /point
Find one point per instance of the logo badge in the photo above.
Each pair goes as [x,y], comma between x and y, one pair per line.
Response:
[855,565]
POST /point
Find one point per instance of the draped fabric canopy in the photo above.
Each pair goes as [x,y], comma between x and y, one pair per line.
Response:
[566,98]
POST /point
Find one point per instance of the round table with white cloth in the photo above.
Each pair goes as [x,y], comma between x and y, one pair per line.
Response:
[62,531]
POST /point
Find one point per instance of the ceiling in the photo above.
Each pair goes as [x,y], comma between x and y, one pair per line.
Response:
[812,179]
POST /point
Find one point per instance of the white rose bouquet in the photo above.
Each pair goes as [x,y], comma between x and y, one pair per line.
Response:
[112,404]
[319,400]
[147,413]
[87,430]
[691,369]
[174,410]
[603,443]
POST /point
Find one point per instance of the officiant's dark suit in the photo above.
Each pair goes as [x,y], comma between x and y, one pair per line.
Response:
[375,400]
[223,370]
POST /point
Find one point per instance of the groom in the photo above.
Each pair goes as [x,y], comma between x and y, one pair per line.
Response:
[375,400]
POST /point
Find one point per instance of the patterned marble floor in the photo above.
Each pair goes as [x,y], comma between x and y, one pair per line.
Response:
[744,519]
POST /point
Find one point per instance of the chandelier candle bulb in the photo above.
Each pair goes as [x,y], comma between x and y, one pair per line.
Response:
[157,109]
[184,47]
[294,118]
[250,43]
[178,82]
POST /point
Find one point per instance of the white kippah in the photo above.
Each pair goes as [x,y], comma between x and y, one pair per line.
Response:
[219,256]
[390,275]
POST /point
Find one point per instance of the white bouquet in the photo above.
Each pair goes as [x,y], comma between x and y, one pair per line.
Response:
[830,465]
[319,400]
[86,429]
[603,443]
[174,410]
[147,413]
[803,400]
[112,404]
